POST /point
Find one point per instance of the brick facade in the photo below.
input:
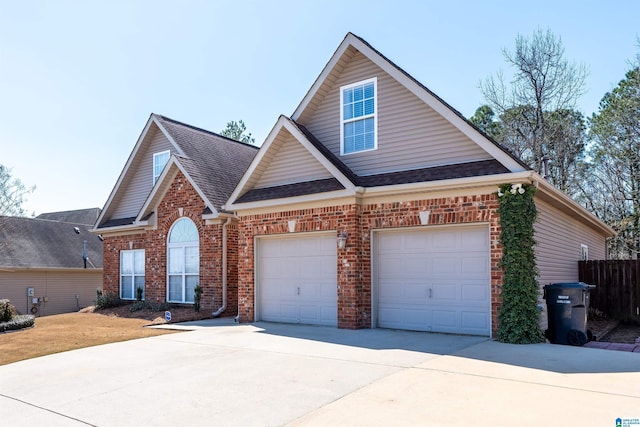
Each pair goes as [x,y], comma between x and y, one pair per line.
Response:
[181,197]
[354,262]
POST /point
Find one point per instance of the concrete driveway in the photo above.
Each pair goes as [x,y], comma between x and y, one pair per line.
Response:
[271,374]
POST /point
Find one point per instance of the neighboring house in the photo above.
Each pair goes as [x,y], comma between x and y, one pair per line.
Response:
[375,205]
[51,264]
[163,226]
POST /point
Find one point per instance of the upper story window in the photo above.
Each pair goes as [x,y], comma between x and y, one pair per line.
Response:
[159,160]
[358,127]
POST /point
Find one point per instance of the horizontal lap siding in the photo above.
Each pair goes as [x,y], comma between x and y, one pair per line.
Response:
[137,186]
[292,163]
[558,239]
[59,287]
[411,135]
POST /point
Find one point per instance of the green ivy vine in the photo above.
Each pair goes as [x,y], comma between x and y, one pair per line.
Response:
[519,316]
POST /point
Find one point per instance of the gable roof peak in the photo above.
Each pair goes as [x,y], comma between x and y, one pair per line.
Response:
[161,118]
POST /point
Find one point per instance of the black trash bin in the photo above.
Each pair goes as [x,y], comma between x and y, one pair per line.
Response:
[567,307]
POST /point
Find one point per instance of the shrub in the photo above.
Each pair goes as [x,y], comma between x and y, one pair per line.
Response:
[197,296]
[157,306]
[7,311]
[108,300]
[139,292]
[18,322]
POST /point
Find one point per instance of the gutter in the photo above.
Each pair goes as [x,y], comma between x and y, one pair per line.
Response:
[219,311]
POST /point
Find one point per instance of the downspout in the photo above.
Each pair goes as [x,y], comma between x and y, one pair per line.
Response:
[219,311]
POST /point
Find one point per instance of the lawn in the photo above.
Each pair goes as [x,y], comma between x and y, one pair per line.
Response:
[63,332]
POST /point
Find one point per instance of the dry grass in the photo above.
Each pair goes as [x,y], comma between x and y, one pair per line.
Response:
[63,332]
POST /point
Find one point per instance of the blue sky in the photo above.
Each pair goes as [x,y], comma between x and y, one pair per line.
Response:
[78,79]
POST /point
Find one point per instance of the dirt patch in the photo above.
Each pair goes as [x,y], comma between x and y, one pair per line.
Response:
[628,334]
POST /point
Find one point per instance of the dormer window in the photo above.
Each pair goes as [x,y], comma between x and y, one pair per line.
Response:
[159,161]
[358,131]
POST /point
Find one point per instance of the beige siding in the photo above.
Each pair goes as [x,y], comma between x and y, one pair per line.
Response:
[558,239]
[290,164]
[411,135]
[137,184]
[59,287]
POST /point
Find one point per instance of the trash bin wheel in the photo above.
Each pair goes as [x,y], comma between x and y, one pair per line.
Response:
[576,337]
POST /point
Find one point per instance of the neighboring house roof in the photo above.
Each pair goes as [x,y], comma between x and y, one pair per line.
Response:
[80,216]
[212,163]
[36,243]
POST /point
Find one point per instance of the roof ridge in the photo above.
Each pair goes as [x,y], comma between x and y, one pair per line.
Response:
[199,129]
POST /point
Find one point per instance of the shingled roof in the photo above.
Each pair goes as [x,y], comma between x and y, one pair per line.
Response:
[216,163]
[27,243]
[79,216]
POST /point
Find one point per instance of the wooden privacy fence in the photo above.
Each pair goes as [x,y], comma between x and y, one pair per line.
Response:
[617,291]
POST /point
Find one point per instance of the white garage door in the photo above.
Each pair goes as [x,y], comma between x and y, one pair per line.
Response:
[434,280]
[297,279]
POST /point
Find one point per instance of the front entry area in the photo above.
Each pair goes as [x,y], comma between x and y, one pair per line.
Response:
[433,279]
[296,279]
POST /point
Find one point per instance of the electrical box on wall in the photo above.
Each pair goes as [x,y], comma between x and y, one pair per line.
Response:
[31,292]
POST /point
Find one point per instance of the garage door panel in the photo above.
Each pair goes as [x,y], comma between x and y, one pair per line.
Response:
[478,293]
[474,321]
[434,280]
[297,279]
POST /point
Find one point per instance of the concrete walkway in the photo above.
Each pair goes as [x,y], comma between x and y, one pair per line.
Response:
[269,375]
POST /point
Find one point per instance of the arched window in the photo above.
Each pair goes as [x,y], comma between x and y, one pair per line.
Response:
[183,261]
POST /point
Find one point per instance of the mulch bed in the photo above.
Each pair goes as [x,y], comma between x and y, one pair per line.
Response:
[178,314]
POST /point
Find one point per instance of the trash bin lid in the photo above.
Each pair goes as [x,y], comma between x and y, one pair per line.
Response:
[574,285]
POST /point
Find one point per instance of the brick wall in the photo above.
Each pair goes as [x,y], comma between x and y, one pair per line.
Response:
[354,263]
[180,196]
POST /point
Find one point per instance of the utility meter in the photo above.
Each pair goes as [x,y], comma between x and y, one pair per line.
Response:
[31,292]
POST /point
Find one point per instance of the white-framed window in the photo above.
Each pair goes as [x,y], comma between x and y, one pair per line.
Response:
[183,261]
[584,252]
[131,273]
[359,117]
[159,161]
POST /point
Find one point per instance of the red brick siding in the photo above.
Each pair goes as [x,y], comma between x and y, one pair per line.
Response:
[181,194]
[354,263]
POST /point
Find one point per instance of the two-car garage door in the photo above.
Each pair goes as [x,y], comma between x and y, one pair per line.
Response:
[435,279]
[425,279]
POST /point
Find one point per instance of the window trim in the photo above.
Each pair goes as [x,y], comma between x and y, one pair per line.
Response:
[584,252]
[373,80]
[154,178]
[133,274]
[183,274]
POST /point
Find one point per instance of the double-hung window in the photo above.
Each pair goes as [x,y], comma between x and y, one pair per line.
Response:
[183,251]
[159,161]
[131,273]
[358,131]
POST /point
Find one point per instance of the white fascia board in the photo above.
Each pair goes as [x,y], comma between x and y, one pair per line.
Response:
[293,200]
[562,199]
[439,107]
[449,184]
[56,269]
[129,228]
[346,183]
[152,120]
[416,89]
[157,192]
[284,122]
[256,161]
[348,40]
